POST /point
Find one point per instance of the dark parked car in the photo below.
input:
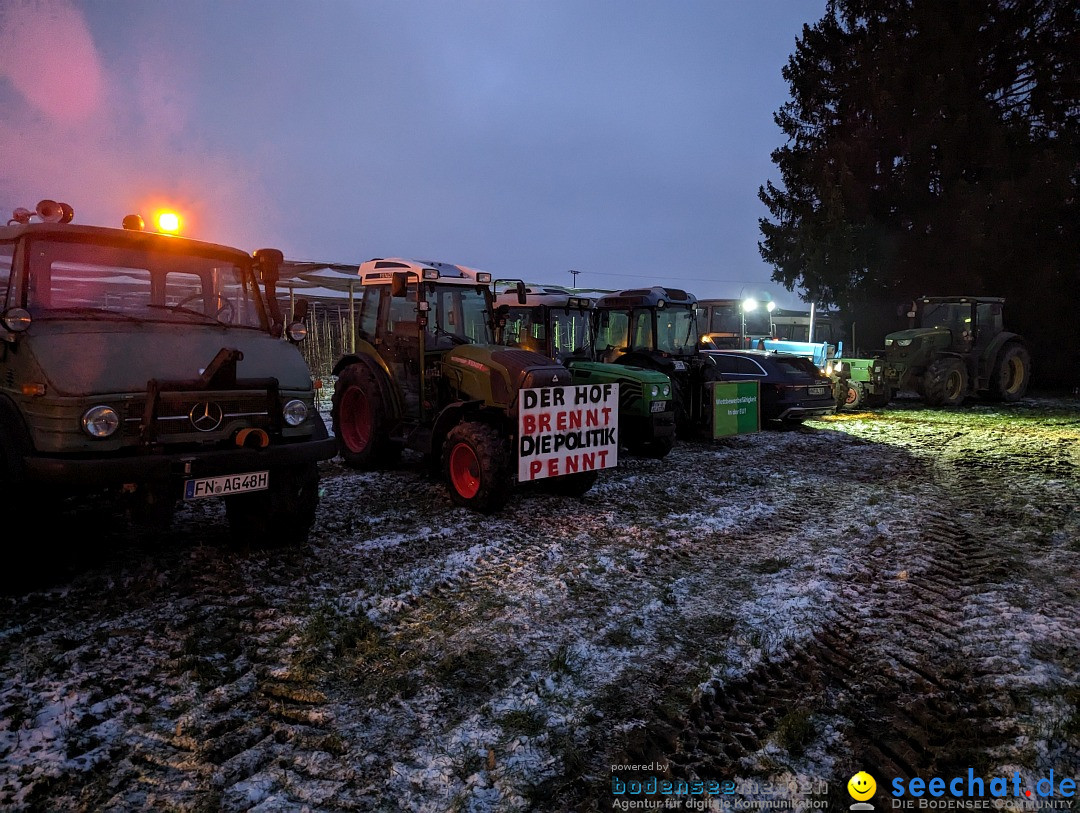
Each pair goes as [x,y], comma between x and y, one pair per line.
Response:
[792,388]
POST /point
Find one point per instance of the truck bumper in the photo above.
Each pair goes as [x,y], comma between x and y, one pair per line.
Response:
[95,471]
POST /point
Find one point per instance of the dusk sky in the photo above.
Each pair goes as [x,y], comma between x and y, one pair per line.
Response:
[620,138]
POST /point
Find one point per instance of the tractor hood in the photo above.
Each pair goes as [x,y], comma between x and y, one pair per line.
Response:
[625,371]
[83,358]
[918,337]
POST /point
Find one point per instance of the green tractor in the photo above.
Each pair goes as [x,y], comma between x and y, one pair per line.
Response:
[427,376]
[957,347]
[558,323]
[865,379]
[656,329]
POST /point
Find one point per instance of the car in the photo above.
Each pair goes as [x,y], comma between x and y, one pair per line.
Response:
[792,388]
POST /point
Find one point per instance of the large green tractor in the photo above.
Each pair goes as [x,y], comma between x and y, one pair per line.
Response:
[957,347]
[656,329]
[558,323]
[428,376]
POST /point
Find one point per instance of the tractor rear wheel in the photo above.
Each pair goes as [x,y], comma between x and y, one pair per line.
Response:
[945,382]
[1012,372]
[361,417]
[856,395]
[476,462]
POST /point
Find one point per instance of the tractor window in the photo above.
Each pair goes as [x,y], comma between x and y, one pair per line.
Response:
[676,331]
[400,311]
[369,311]
[988,316]
[525,329]
[569,332]
[458,314]
[613,331]
[723,319]
[643,329]
[952,316]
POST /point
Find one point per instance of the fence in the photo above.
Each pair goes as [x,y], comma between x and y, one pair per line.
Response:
[328,340]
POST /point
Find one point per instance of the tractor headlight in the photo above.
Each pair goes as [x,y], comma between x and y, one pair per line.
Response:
[888,342]
[903,342]
[654,390]
[295,412]
[829,369]
[100,421]
[666,390]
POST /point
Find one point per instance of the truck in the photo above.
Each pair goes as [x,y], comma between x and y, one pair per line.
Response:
[152,369]
[957,347]
[428,376]
[557,322]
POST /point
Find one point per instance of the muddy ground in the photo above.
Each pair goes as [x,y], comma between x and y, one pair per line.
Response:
[893,591]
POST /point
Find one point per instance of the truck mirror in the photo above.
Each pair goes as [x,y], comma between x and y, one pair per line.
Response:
[399,284]
[268,262]
[522,297]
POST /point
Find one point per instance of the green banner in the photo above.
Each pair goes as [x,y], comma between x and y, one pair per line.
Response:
[736,408]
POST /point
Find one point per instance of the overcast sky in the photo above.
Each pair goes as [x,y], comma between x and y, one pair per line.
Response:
[619,138]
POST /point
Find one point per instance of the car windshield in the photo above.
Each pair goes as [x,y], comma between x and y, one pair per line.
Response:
[97,281]
[796,368]
[676,331]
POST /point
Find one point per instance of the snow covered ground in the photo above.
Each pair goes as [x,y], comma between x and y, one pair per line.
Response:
[894,591]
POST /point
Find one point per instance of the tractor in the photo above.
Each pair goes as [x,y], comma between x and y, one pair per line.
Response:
[656,329]
[427,376]
[957,347]
[558,323]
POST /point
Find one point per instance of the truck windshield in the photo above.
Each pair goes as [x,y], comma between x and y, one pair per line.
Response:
[676,331]
[98,281]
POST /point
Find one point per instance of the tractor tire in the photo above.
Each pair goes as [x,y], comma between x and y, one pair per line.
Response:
[476,462]
[856,395]
[361,420]
[1012,372]
[280,516]
[572,485]
[945,382]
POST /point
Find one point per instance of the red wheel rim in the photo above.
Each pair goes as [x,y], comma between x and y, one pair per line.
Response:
[852,396]
[355,419]
[464,470]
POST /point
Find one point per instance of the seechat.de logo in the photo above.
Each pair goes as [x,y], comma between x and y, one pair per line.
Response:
[861,787]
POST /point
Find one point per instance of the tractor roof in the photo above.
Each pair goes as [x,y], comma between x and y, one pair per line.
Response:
[646,297]
[118,237]
[380,271]
[553,296]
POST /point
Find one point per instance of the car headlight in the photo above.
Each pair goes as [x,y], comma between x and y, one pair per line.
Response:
[903,342]
[654,390]
[295,412]
[100,421]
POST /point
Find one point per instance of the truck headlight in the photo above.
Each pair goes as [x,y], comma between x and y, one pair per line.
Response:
[100,421]
[295,412]
[297,331]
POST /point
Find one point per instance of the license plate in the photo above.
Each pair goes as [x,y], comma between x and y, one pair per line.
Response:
[680,365]
[816,390]
[658,406]
[226,485]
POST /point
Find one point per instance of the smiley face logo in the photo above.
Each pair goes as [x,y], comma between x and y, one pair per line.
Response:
[861,786]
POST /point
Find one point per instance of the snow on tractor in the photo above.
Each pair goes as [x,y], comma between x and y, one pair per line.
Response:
[656,329]
[428,376]
[557,322]
[957,347]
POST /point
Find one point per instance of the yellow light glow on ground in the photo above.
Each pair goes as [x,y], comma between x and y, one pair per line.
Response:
[168,222]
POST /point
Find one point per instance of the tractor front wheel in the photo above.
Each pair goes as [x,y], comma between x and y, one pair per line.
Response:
[1012,371]
[476,462]
[856,395]
[945,382]
[360,417]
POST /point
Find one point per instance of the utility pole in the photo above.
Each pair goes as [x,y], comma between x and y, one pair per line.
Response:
[575,273]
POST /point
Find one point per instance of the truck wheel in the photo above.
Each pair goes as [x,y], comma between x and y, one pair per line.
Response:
[1012,372]
[945,382]
[476,462]
[573,485]
[360,418]
[281,515]
[856,395]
